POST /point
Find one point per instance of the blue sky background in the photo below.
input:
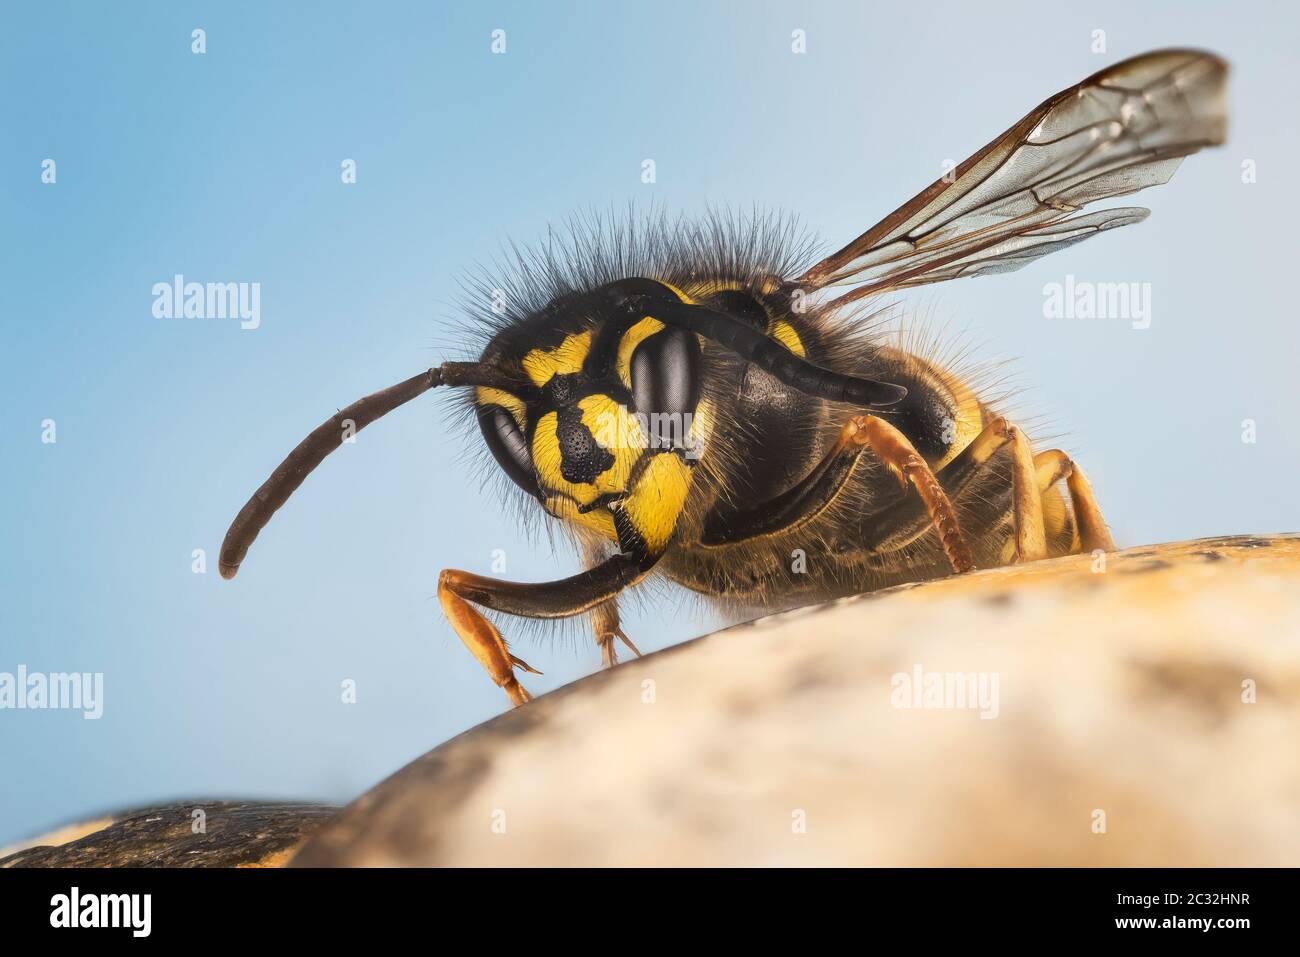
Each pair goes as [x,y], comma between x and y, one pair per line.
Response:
[225,167]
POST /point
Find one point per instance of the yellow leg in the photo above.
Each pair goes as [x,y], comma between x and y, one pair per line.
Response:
[893,448]
[1054,465]
[459,592]
[1031,537]
[1031,476]
[605,625]
[482,638]
[604,617]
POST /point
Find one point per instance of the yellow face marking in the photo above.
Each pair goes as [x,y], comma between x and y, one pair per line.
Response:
[541,364]
[785,334]
[701,425]
[643,330]
[613,427]
[618,432]
[657,499]
[598,519]
[486,395]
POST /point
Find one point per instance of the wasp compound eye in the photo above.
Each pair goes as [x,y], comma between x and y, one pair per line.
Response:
[665,373]
[508,446]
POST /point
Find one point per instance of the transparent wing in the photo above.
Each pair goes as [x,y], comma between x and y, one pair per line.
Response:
[1119,131]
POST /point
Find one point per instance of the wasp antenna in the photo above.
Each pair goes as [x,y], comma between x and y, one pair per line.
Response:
[329,435]
[311,451]
[481,374]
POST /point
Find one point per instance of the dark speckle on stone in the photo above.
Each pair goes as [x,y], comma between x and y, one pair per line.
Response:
[1239,541]
[1209,688]
[1140,568]
[742,705]
[806,679]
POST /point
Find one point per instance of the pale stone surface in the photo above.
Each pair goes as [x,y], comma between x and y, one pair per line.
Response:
[1118,691]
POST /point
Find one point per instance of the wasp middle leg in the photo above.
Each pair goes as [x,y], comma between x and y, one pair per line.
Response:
[605,624]
[808,499]
[893,448]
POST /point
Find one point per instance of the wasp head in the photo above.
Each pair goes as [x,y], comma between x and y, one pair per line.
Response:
[602,388]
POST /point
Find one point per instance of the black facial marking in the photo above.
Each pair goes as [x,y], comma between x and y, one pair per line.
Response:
[581,457]
[563,389]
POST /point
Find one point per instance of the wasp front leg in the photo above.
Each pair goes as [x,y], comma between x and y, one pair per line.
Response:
[459,592]
[481,637]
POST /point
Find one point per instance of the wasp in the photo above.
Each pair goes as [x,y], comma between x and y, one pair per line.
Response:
[691,400]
